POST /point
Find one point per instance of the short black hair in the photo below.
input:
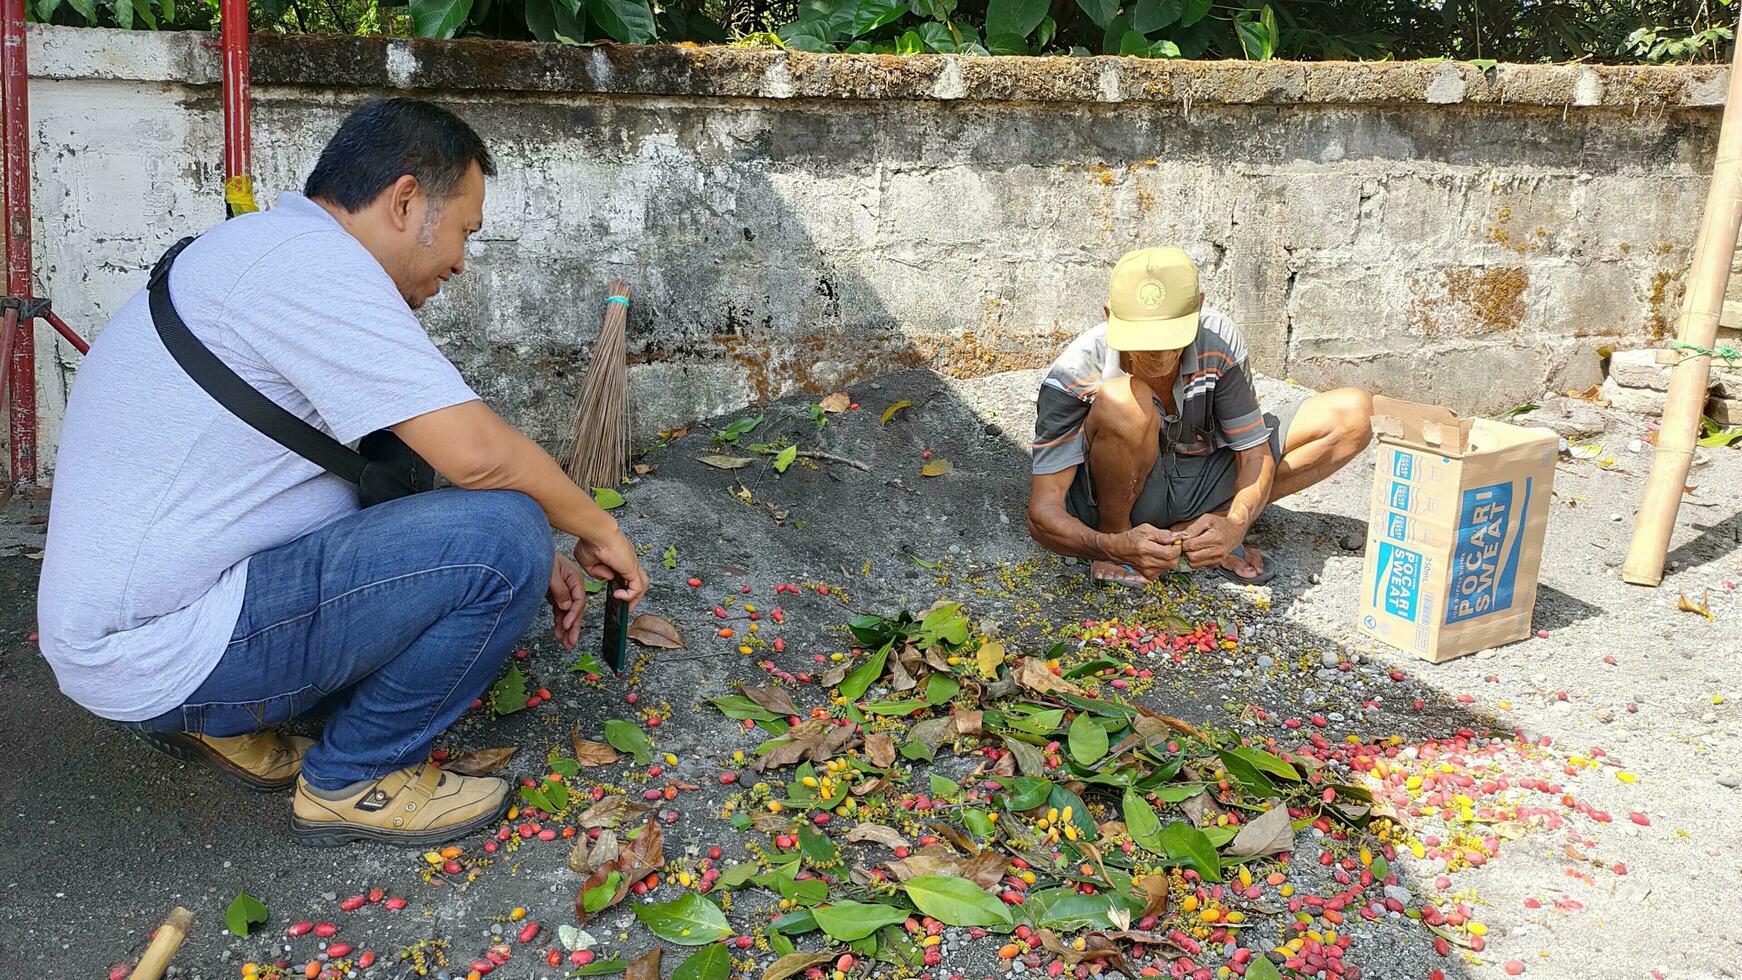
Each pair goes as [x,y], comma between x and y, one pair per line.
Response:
[387,139]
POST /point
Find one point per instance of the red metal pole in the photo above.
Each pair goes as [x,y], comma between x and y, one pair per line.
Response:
[233,27]
[65,331]
[21,365]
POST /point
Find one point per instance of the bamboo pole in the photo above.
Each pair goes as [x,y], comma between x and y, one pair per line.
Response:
[167,940]
[1680,430]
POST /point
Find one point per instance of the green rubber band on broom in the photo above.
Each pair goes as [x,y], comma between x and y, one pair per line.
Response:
[618,299]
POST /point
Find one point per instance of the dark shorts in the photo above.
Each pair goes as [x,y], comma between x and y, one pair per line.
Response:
[1180,487]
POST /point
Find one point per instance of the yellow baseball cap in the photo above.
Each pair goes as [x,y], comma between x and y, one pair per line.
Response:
[1153,301]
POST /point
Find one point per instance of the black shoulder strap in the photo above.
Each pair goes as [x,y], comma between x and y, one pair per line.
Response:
[229,390]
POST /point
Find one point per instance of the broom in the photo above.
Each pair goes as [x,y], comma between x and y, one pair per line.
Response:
[599,452]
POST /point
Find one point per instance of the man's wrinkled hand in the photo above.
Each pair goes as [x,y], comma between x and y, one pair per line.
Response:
[1151,551]
[568,601]
[1209,539]
[614,558]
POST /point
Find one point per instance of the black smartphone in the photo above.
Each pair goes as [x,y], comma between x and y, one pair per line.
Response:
[616,626]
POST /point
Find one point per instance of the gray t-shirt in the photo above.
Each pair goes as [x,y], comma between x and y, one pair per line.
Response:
[1218,407]
[161,495]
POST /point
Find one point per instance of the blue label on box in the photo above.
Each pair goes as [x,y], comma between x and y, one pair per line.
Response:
[1402,465]
[1396,526]
[1483,573]
[1400,496]
[1397,583]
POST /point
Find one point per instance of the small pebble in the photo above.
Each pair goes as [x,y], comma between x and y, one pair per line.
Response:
[1353,541]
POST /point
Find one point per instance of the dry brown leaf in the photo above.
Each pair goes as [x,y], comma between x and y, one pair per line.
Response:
[986,868]
[643,469]
[726,462]
[645,968]
[1269,833]
[765,822]
[772,698]
[1034,675]
[1155,894]
[899,677]
[480,763]
[640,858]
[1096,947]
[989,658]
[955,837]
[876,833]
[865,787]
[880,749]
[590,753]
[968,722]
[655,631]
[672,435]
[1005,766]
[1704,608]
[937,467]
[585,859]
[609,812]
[836,403]
[793,964]
[930,861]
[1202,810]
[834,676]
[1183,727]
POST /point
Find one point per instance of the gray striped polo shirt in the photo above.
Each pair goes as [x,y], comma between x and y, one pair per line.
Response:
[1218,407]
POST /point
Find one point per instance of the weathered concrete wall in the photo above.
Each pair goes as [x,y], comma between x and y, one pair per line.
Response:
[796,221]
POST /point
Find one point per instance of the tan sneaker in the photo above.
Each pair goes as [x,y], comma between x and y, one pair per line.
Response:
[417,807]
[264,762]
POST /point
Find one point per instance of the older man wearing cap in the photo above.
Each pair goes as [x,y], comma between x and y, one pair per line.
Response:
[1150,443]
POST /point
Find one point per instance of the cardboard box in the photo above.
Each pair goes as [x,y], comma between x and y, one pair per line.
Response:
[1454,540]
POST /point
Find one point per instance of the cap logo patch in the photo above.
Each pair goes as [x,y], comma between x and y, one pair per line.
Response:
[1151,294]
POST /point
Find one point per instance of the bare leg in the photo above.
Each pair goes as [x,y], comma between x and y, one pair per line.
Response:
[1123,431]
[1329,429]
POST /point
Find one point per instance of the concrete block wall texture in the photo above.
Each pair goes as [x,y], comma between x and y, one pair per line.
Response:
[796,222]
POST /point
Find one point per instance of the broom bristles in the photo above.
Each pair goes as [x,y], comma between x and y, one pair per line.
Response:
[599,451]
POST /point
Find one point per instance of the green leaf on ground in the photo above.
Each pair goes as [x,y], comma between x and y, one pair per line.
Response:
[245,912]
[940,688]
[600,968]
[626,736]
[737,430]
[714,962]
[1142,823]
[861,678]
[782,461]
[738,874]
[1088,740]
[688,920]
[816,847]
[847,921]
[956,901]
[600,895]
[1191,848]
[508,694]
[1262,969]
[607,498]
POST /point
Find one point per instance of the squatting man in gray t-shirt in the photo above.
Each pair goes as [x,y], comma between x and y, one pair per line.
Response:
[1149,441]
[202,584]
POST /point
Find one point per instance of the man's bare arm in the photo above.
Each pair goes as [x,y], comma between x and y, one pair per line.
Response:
[1147,549]
[1210,538]
[474,448]
[1254,476]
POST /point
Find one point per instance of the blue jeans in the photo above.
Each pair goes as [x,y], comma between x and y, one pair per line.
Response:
[394,618]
